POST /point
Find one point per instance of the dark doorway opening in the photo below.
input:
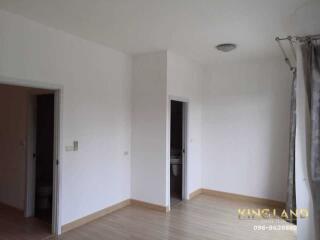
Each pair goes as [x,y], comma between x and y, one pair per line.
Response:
[176,152]
[26,159]
[44,157]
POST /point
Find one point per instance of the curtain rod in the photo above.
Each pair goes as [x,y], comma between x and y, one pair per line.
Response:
[291,40]
[299,38]
[286,58]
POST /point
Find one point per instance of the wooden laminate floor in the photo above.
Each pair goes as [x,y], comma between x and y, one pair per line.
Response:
[174,201]
[204,217]
[14,226]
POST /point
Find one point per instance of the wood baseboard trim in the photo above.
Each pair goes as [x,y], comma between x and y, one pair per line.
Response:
[152,206]
[195,193]
[91,217]
[239,197]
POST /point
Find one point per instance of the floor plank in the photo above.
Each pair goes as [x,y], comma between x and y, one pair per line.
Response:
[14,226]
[204,217]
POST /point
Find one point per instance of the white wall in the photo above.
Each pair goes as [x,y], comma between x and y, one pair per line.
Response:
[96,108]
[246,129]
[185,79]
[245,116]
[13,126]
[148,178]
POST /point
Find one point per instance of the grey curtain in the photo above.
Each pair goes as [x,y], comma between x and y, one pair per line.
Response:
[311,53]
[291,191]
[311,59]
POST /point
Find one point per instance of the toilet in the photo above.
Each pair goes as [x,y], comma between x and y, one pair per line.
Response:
[175,164]
[45,194]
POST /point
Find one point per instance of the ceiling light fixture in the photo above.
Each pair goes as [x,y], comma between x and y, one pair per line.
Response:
[226,47]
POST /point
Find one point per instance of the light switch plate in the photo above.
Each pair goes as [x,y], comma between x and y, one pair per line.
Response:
[75,145]
[69,148]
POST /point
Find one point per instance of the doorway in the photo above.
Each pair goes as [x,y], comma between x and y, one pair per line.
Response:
[44,157]
[31,129]
[177,151]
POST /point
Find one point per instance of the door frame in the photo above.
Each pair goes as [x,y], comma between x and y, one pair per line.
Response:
[30,186]
[185,120]
[57,158]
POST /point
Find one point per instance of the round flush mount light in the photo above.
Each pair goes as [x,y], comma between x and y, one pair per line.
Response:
[226,47]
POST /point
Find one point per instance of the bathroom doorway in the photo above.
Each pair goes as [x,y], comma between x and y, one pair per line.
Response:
[44,157]
[42,163]
[30,132]
[177,150]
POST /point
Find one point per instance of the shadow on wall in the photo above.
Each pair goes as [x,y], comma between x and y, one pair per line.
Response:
[278,148]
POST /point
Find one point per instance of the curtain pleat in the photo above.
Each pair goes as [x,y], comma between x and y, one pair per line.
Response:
[311,64]
[291,191]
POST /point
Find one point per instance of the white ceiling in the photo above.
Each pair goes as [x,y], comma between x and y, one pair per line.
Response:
[190,27]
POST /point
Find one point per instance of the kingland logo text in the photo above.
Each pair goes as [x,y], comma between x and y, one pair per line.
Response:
[267,213]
